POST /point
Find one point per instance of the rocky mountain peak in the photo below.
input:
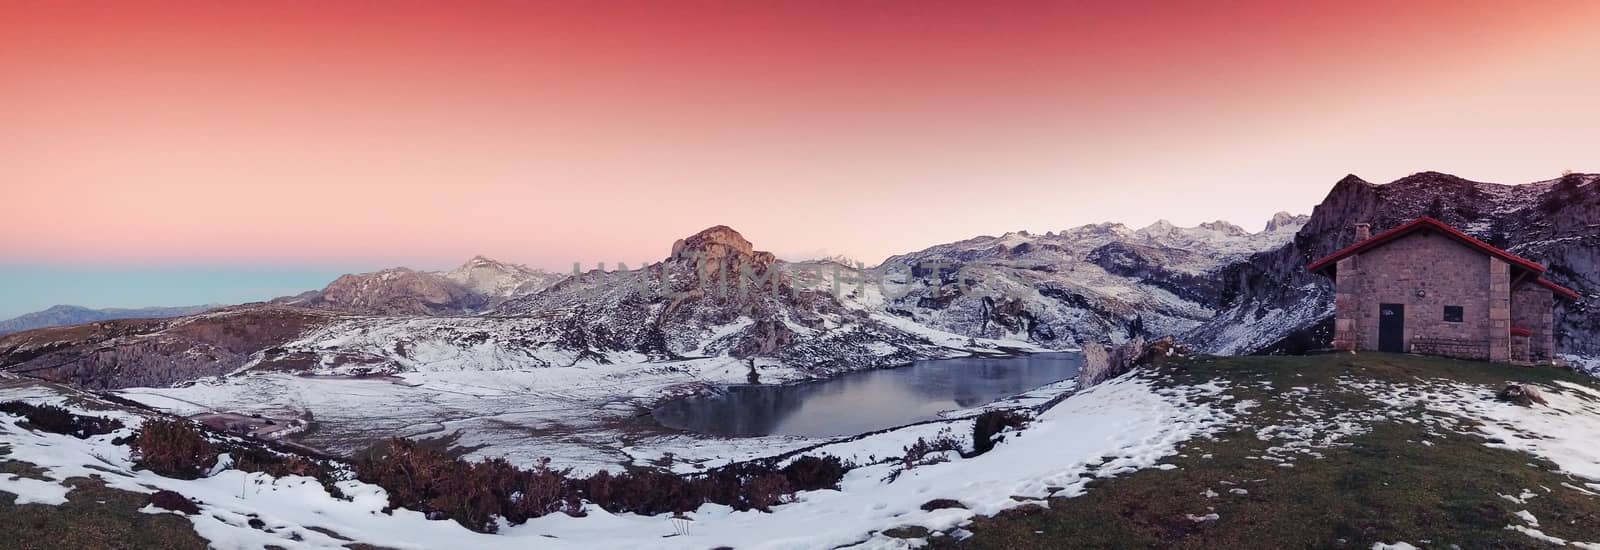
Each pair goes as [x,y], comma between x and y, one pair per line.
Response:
[1160,225]
[499,280]
[1224,227]
[1350,179]
[396,291]
[712,244]
[1431,178]
[481,263]
[1284,220]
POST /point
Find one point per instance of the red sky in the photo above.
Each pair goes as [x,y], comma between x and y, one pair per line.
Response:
[421,133]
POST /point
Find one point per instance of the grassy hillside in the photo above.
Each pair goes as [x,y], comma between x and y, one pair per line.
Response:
[1410,475]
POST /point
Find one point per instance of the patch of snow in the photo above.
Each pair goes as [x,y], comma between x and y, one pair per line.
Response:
[1394,546]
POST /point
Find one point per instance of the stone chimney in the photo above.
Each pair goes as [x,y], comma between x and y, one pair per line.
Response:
[1363,232]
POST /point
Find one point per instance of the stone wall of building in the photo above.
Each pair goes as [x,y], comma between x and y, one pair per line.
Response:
[1426,271]
[1533,308]
[1347,305]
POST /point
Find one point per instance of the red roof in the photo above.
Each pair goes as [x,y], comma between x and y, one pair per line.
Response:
[1561,291]
[1418,225]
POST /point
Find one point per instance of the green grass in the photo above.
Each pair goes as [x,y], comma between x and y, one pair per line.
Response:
[1384,486]
[94,516]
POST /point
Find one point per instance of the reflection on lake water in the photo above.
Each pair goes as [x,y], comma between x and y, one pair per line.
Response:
[865,401]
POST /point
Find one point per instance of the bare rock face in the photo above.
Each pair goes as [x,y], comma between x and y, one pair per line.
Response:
[711,245]
[398,291]
[1102,364]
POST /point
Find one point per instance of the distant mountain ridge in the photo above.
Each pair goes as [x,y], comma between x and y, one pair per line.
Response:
[476,286]
[1217,286]
[64,315]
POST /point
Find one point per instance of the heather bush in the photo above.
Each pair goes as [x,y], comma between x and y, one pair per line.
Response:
[475,494]
[169,500]
[809,473]
[762,492]
[57,420]
[472,494]
[991,423]
[173,448]
[916,453]
[412,475]
[540,492]
[257,459]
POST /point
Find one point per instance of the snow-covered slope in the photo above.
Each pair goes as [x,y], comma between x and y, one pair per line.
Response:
[477,285]
[501,281]
[1103,283]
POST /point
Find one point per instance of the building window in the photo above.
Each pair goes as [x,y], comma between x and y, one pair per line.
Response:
[1454,314]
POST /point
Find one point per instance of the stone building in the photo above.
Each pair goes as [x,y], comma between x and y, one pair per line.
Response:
[1426,287]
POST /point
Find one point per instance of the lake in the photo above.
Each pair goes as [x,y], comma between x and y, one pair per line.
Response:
[865,401]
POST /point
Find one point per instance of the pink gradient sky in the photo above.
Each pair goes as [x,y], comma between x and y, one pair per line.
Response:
[421,133]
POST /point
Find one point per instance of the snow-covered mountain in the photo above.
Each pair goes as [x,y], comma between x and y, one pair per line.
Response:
[478,285]
[1102,282]
[501,281]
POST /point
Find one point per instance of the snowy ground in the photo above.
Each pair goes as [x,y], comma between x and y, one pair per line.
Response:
[1105,431]
[580,416]
[1128,424]
[587,418]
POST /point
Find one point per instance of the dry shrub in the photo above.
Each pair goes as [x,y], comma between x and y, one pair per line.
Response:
[916,452]
[765,491]
[991,423]
[412,475]
[810,473]
[255,459]
[173,448]
[169,500]
[476,494]
[57,420]
[540,492]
